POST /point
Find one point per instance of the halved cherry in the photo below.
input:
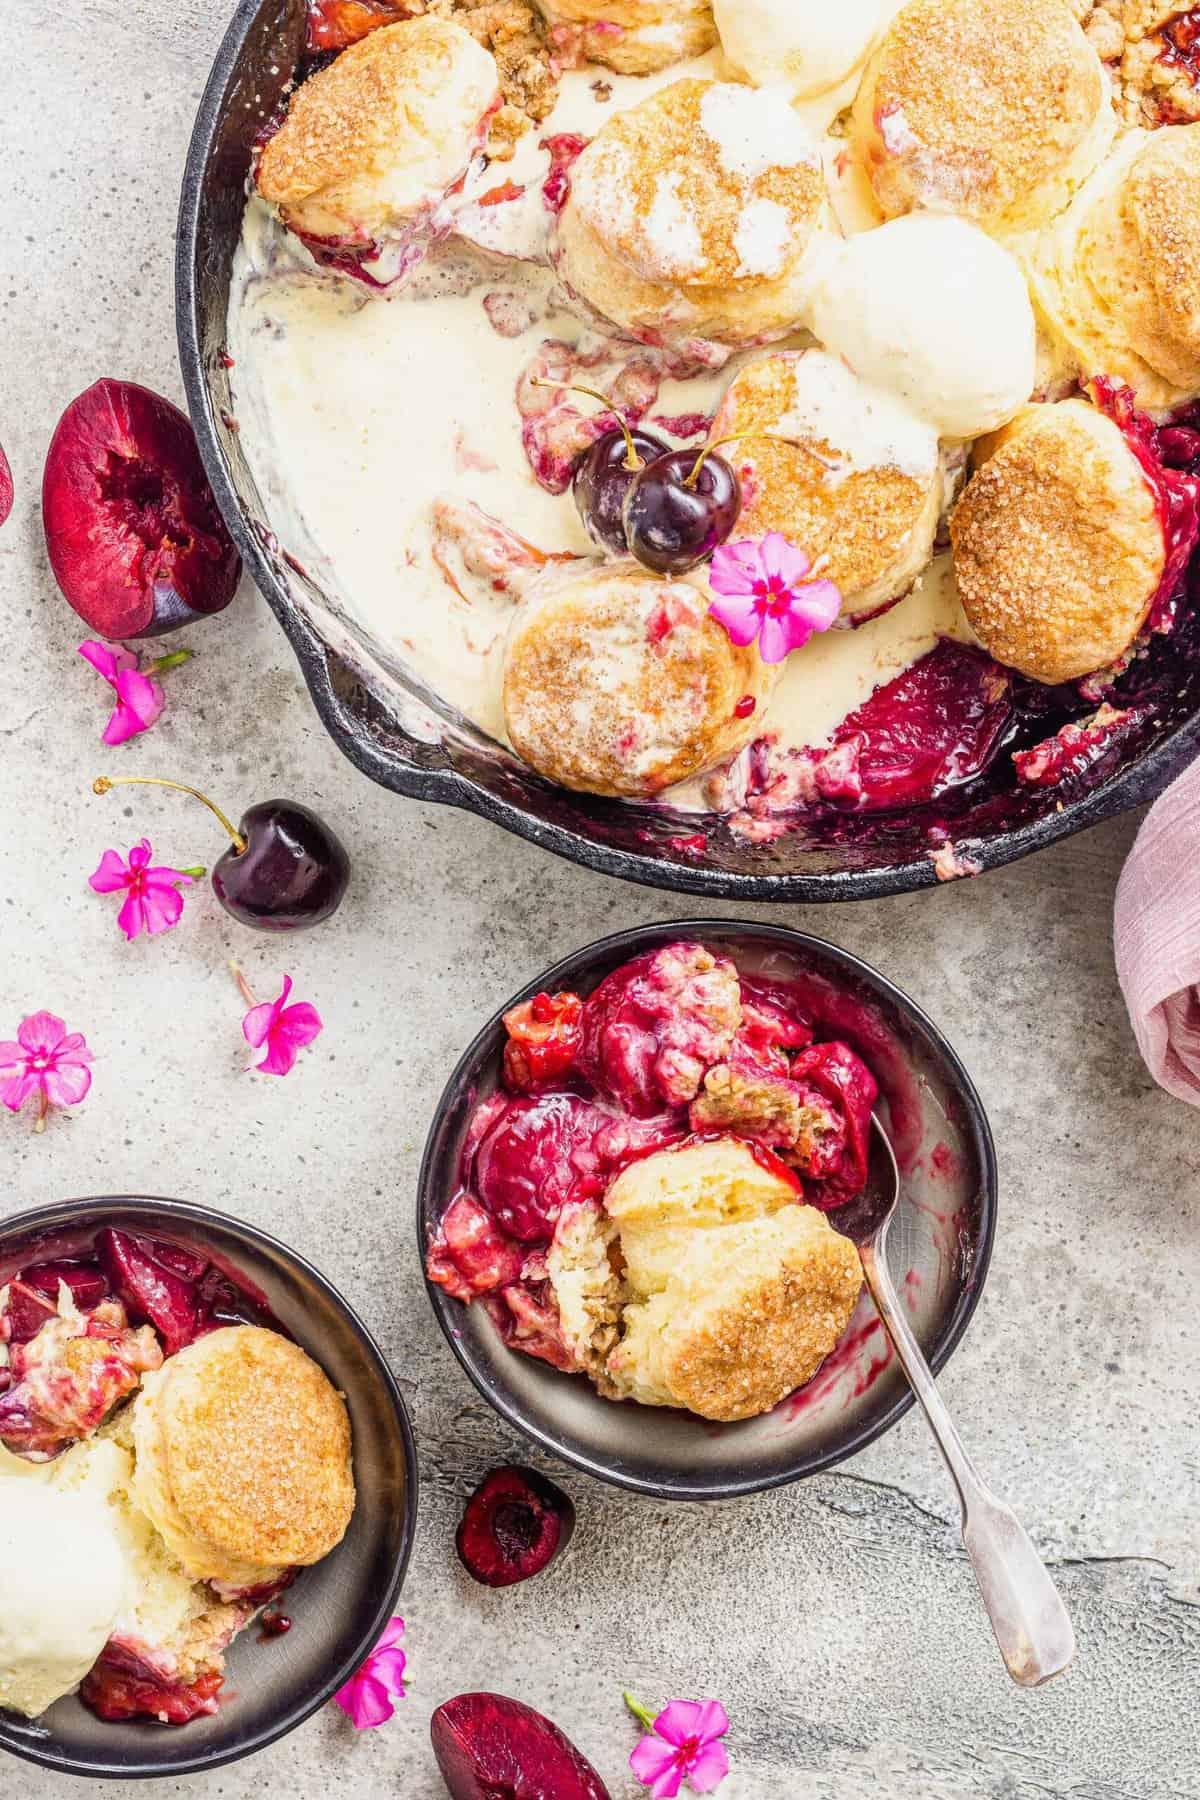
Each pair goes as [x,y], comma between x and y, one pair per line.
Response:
[544,1035]
[135,538]
[515,1524]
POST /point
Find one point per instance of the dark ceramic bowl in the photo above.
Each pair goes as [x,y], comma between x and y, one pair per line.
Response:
[339,1607]
[939,1249]
[399,734]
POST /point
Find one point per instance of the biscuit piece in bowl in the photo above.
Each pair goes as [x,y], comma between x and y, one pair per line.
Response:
[861,484]
[1058,542]
[372,143]
[616,681]
[1118,278]
[243,1457]
[695,217]
[635,37]
[998,109]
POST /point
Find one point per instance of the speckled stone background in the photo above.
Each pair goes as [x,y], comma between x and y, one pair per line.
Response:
[836,1620]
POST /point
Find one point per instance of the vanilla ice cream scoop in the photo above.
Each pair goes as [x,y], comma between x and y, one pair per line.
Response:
[63,1585]
[808,46]
[932,309]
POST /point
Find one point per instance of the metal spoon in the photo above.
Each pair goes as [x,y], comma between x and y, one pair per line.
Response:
[1028,1617]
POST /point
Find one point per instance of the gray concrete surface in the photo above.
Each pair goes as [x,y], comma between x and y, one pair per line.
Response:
[837,1620]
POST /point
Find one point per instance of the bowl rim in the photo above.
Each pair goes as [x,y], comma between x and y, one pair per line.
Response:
[1129,787]
[631,942]
[151,1207]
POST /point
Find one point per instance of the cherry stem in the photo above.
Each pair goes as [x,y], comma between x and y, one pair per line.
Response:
[247,992]
[633,461]
[103,783]
[737,437]
[174,660]
[640,1712]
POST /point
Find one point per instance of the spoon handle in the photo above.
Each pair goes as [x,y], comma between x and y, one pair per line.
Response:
[1029,1619]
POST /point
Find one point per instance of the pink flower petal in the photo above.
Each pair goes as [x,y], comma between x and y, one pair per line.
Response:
[300,1024]
[162,906]
[73,1048]
[741,618]
[140,700]
[111,875]
[389,1666]
[16,1088]
[678,1721]
[708,1768]
[132,916]
[66,1084]
[365,1701]
[281,1055]
[140,854]
[106,661]
[783,561]
[712,1721]
[41,1033]
[258,1022]
[656,1766]
[393,1631]
[736,568]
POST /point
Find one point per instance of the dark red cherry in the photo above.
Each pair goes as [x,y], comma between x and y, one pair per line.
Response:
[602,480]
[679,509]
[515,1524]
[293,871]
[284,868]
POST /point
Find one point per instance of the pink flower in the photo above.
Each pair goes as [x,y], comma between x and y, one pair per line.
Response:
[153,902]
[46,1060]
[139,698]
[681,1745]
[283,1029]
[767,595]
[366,1699]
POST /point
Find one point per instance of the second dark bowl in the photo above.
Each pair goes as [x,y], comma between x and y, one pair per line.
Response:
[939,1248]
[340,1606]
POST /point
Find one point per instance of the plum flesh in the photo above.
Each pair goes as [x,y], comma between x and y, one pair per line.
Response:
[492,1748]
[515,1524]
[135,539]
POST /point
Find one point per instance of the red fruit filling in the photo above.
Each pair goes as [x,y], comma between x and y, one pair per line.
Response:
[332,24]
[834,1149]
[470,1254]
[1177,493]
[555,432]
[1077,747]
[152,1288]
[65,1375]
[125,1684]
[565,148]
[6,487]
[135,539]
[515,1524]
[25,1312]
[88,1286]
[491,1748]
[653,1027]
[544,1036]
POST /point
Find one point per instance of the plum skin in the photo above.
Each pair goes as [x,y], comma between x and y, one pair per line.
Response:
[491,1748]
[135,538]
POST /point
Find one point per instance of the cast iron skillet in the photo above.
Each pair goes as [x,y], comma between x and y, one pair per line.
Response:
[402,736]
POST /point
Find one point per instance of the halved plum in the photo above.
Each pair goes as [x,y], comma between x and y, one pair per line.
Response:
[834,1163]
[514,1525]
[85,1280]
[492,1748]
[26,1310]
[127,1684]
[653,1026]
[141,1276]
[136,541]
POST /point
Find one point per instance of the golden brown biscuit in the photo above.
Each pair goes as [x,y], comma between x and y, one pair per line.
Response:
[747,1317]
[863,490]
[243,1456]
[636,37]
[697,214]
[617,682]
[998,109]
[374,140]
[1118,278]
[1058,543]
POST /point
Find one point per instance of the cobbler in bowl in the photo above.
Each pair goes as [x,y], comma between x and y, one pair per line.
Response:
[629,1196]
[177,1467]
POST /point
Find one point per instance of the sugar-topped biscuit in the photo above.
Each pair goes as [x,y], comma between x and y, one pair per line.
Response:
[1118,278]
[861,485]
[374,140]
[1058,543]
[636,37]
[998,109]
[243,1456]
[616,681]
[697,213]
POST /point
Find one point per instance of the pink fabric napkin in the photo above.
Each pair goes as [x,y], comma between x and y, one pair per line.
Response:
[1156,935]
